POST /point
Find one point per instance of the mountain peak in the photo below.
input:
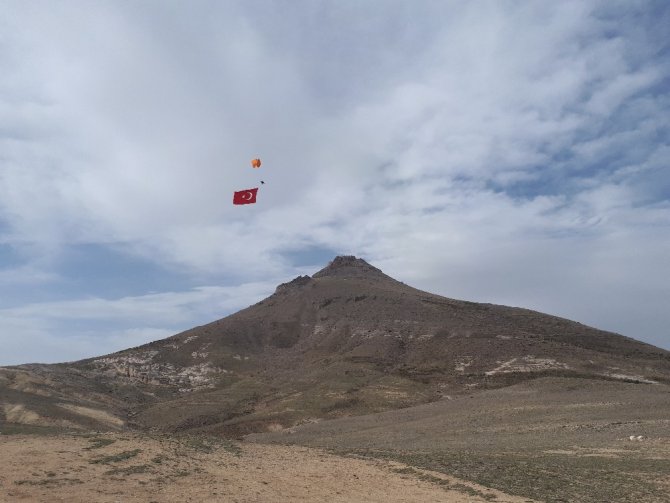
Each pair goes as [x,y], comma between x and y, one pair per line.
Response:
[294,284]
[349,266]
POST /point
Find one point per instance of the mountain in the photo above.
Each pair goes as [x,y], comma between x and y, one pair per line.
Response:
[348,340]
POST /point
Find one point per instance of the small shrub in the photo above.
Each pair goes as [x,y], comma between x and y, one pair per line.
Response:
[115,458]
[97,443]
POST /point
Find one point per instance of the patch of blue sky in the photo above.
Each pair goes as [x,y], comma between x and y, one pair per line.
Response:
[9,256]
[111,272]
[653,187]
[652,16]
[84,326]
[431,210]
[17,294]
[542,181]
[598,156]
[308,256]
[394,184]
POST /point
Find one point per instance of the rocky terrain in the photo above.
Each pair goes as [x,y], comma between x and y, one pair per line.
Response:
[131,468]
[352,360]
[549,439]
[347,341]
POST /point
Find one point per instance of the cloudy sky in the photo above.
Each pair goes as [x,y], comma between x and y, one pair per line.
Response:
[513,152]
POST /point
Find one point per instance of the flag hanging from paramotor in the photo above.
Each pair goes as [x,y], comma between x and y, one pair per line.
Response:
[247,196]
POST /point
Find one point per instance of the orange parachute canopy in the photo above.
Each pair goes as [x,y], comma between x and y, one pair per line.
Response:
[256,163]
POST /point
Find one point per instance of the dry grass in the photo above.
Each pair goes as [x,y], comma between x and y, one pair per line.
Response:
[167,469]
[554,440]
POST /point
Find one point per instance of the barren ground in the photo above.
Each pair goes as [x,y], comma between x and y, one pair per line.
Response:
[138,468]
[553,440]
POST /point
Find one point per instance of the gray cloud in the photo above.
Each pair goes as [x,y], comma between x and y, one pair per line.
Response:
[513,152]
[93,326]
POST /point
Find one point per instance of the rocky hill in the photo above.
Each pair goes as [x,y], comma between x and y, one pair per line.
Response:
[348,340]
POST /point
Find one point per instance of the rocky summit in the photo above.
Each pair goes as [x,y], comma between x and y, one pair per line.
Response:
[347,341]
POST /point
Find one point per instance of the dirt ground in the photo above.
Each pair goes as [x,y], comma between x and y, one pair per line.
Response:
[553,440]
[136,468]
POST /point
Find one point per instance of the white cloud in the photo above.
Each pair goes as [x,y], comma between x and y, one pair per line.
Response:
[70,329]
[492,139]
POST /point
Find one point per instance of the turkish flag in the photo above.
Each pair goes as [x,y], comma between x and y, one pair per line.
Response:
[245,196]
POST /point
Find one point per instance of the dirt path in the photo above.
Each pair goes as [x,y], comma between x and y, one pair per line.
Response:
[129,468]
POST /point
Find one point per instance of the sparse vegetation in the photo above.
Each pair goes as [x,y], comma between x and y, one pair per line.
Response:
[209,444]
[129,470]
[628,474]
[546,478]
[341,404]
[552,439]
[518,387]
[29,429]
[98,443]
[115,458]
[49,482]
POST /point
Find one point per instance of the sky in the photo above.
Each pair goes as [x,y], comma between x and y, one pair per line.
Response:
[511,152]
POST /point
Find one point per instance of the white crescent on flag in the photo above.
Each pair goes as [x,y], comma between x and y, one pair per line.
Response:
[247,196]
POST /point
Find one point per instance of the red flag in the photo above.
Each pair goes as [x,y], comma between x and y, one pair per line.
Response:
[245,196]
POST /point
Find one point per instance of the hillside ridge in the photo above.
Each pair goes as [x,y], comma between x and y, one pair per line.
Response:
[348,340]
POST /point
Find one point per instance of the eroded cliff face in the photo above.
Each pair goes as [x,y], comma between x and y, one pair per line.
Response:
[144,371]
[141,369]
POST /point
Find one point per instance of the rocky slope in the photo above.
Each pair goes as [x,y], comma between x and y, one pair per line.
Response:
[347,341]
